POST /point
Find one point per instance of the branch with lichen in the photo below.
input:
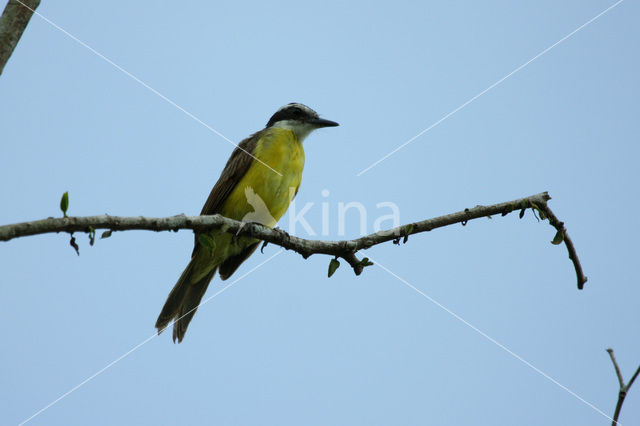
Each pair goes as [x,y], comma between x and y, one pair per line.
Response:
[345,249]
[14,20]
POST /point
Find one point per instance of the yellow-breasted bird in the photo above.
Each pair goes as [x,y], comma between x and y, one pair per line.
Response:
[257,184]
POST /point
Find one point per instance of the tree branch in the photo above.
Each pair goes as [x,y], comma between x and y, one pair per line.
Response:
[622,394]
[343,249]
[13,21]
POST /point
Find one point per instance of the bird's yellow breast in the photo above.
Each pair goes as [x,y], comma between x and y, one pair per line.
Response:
[263,195]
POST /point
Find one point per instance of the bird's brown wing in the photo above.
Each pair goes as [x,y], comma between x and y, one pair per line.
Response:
[236,168]
[229,266]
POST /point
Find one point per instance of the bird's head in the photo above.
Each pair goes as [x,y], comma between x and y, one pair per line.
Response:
[300,119]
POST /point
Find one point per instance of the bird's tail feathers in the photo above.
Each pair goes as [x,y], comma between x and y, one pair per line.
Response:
[183,301]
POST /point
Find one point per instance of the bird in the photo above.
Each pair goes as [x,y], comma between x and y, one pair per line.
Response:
[257,184]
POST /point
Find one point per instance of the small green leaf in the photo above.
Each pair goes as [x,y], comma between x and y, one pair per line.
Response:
[207,242]
[64,203]
[106,234]
[92,236]
[558,238]
[407,230]
[366,262]
[333,265]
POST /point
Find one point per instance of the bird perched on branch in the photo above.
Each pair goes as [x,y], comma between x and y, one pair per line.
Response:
[257,184]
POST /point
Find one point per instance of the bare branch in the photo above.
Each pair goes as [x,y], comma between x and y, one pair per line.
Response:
[624,389]
[633,378]
[344,249]
[13,21]
[562,231]
[615,365]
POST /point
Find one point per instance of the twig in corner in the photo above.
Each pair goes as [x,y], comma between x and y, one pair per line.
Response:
[623,388]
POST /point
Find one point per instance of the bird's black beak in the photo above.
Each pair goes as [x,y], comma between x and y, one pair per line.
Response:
[321,122]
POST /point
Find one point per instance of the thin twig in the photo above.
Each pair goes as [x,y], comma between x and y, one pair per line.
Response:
[633,378]
[615,365]
[345,249]
[624,389]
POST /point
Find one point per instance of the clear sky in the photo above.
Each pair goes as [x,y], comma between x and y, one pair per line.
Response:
[286,345]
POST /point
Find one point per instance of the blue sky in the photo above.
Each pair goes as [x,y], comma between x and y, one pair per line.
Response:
[287,345]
